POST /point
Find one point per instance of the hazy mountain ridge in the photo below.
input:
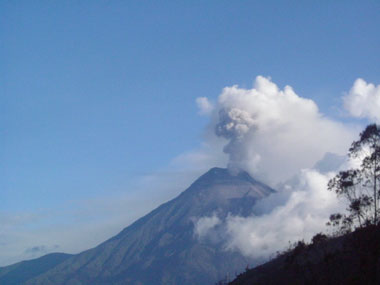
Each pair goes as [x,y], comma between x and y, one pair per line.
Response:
[161,247]
[25,270]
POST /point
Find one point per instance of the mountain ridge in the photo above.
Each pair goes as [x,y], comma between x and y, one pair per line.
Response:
[161,247]
[27,269]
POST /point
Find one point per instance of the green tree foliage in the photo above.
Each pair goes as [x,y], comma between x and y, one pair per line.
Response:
[360,187]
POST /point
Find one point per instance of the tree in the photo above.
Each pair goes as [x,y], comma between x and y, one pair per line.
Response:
[360,186]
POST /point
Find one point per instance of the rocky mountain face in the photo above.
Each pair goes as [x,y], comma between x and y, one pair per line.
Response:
[162,247]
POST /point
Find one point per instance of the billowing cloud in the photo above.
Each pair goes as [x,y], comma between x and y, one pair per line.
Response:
[280,137]
[301,215]
[274,133]
[298,211]
[204,225]
[204,105]
[363,101]
[270,132]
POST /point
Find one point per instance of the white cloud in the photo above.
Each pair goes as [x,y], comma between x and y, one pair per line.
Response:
[203,225]
[278,136]
[298,211]
[204,105]
[363,100]
[274,133]
[304,213]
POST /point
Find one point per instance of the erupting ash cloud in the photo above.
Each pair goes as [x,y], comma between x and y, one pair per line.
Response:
[279,137]
[274,133]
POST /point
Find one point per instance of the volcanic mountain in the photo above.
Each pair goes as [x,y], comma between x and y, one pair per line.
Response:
[162,247]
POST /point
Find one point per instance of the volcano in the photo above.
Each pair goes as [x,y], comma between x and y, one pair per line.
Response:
[162,247]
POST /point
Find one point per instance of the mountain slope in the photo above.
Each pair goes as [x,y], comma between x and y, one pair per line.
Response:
[25,270]
[161,248]
[353,258]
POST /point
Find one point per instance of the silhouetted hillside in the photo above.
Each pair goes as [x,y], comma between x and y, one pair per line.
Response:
[350,259]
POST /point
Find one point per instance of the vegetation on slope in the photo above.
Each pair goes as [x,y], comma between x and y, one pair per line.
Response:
[352,255]
[353,258]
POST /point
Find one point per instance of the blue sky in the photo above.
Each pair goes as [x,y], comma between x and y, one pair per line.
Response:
[95,95]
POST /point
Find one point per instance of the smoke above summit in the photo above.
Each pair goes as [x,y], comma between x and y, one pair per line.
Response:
[273,133]
[280,138]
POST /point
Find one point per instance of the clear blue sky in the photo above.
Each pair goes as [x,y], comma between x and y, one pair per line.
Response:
[94,94]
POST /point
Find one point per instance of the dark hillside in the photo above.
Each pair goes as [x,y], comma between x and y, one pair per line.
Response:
[350,259]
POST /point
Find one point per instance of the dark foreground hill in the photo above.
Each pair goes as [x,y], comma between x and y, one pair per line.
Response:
[350,259]
[162,248]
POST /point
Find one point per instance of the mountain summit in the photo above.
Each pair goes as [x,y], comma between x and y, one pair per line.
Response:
[219,189]
[161,247]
